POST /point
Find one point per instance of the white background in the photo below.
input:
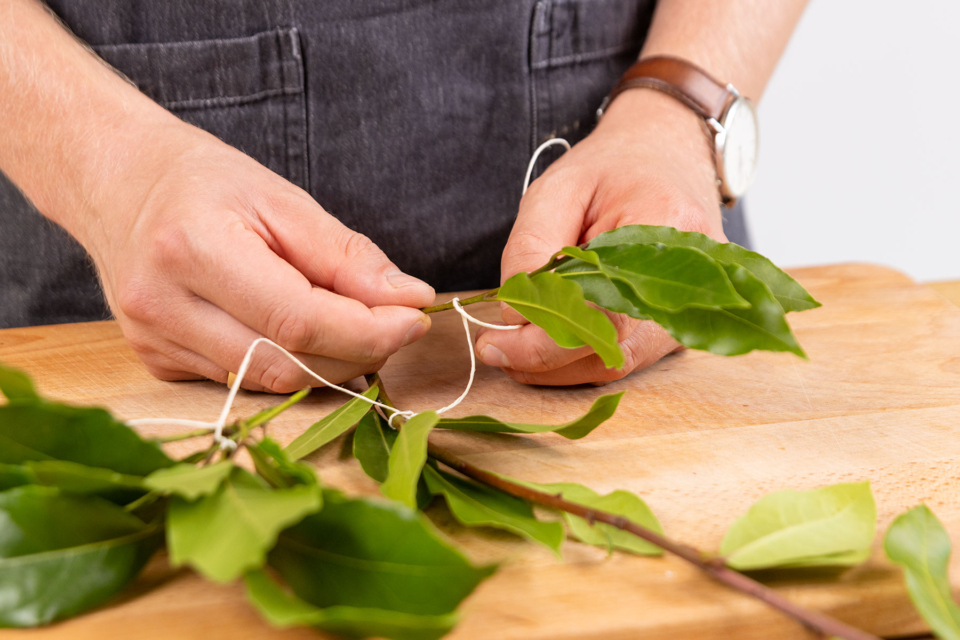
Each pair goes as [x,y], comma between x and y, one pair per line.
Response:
[860,140]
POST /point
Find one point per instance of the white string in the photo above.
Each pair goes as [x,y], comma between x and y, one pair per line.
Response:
[218,426]
[536,154]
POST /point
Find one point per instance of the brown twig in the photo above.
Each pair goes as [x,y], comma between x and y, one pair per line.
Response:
[713,566]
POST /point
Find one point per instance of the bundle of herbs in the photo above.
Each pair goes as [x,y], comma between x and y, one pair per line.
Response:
[85,501]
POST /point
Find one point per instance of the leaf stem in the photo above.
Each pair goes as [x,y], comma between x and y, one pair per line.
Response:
[712,566]
[482,297]
[269,414]
[491,295]
[184,436]
[145,499]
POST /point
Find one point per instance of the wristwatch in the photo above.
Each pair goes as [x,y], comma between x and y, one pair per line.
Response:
[730,119]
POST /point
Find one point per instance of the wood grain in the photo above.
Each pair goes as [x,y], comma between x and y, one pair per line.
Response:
[700,437]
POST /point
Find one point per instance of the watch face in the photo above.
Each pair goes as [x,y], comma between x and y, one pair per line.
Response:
[739,147]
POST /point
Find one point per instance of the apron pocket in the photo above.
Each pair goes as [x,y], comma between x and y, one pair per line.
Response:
[249,92]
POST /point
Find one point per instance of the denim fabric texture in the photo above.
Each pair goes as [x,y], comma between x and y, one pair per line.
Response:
[410,121]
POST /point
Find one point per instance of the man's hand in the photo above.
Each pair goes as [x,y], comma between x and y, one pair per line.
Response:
[220,251]
[648,162]
[201,249]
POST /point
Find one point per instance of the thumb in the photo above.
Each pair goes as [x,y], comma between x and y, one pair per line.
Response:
[337,258]
[364,272]
[551,217]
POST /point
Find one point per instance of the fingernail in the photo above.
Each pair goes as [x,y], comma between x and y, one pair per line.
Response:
[417,330]
[399,279]
[493,357]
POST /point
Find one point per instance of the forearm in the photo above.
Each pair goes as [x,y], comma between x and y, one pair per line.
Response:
[736,41]
[72,127]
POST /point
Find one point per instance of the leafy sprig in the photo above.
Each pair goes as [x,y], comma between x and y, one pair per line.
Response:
[84,500]
[708,295]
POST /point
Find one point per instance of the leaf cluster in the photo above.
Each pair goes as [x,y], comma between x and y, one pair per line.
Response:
[708,295]
[85,502]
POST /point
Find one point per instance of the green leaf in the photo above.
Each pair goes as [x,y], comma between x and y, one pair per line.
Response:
[227,533]
[15,475]
[476,505]
[373,554]
[559,308]
[37,430]
[372,444]
[71,477]
[16,385]
[725,332]
[789,293]
[918,542]
[667,278]
[61,554]
[271,459]
[189,481]
[831,525]
[408,457]
[602,410]
[619,502]
[284,609]
[331,426]
[268,414]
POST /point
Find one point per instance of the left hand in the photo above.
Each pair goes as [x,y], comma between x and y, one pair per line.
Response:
[647,162]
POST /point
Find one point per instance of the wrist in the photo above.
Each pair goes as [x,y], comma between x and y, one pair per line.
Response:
[116,175]
[667,129]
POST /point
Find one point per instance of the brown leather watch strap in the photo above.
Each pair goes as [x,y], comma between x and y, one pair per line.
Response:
[680,79]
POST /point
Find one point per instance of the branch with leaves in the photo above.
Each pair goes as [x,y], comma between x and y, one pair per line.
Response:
[85,501]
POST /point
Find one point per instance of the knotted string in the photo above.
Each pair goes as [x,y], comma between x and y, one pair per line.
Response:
[218,426]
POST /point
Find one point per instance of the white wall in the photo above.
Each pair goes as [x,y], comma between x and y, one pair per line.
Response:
[860,140]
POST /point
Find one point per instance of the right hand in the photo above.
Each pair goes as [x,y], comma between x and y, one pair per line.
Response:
[212,250]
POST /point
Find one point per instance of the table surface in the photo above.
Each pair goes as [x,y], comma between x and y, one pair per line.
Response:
[698,436]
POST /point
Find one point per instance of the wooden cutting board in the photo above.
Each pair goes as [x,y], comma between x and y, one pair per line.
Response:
[700,437]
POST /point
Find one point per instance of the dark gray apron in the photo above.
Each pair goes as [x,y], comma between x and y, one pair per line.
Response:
[410,121]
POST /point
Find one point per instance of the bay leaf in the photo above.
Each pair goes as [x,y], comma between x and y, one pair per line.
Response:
[270,458]
[476,505]
[331,426]
[71,477]
[666,278]
[602,410]
[407,458]
[16,385]
[284,609]
[15,475]
[40,430]
[373,555]
[919,543]
[619,502]
[789,293]
[372,444]
[227,533]
[725,332]
[832,525]
[62,554]
[559,308]
[189,481]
